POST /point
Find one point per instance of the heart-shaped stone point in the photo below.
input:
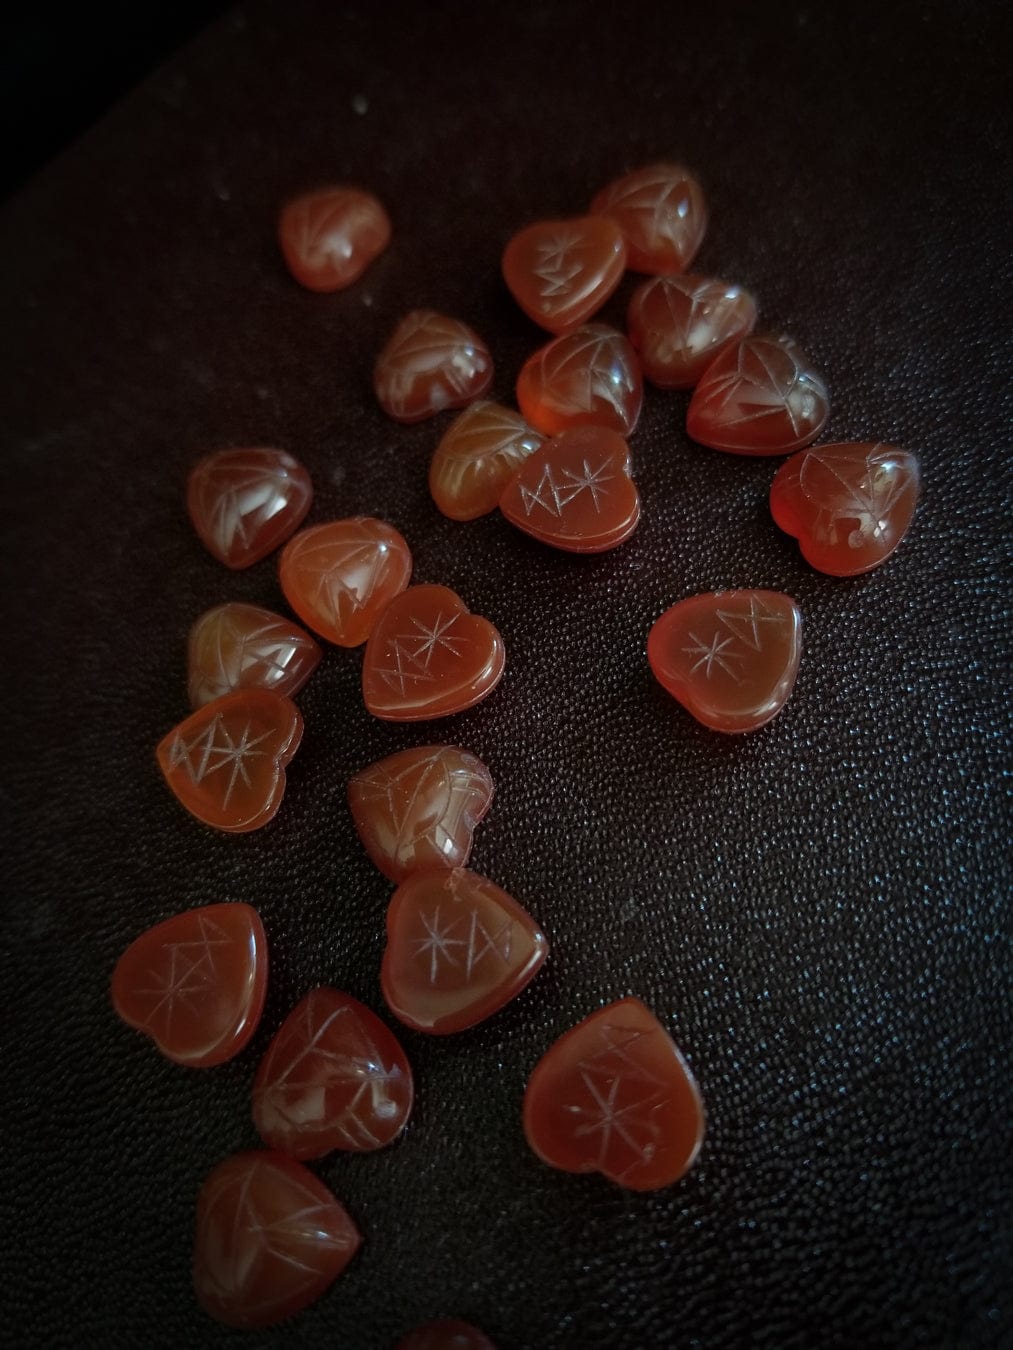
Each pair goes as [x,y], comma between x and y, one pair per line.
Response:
[614,1095]
[458,949]
[729,657]
[429,657]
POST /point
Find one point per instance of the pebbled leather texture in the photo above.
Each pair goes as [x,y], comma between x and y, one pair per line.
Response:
[817,911]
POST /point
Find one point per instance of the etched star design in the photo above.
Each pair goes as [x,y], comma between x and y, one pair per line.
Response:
[188,974]
[438,942]
[429,637]
[603,1116]
[746,627]
[711,654]
[213,756]
[554,497]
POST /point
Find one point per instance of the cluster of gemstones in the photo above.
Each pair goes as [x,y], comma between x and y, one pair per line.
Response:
[613,1094]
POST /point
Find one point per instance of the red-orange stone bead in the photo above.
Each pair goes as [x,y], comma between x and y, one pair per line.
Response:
[761,396]
[662,213]
[330,236]
[269,1239]
[195,984]
[341,576]
[244,503]
[561,271]
[576,492]
[226,762]
[430,363]
[590,377]
[447,1333]
[236,646]
[615,1096]
[458,949]
[680,324]
[848,505]
[419,808]
[729,657]
[429,657]
[334,1077]
[481,451]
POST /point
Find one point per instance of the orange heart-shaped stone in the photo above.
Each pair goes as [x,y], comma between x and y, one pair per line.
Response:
[849,505]
[586,378]
[429,657]
[431,362]
[561,271]
[195,984]
[679,325]
[339,577]
[269,1239]
[244,503]
[662,213]
[419,808]
[615,1096]
[729,657]
[236,646]
[458,949]
[481,451]
[226,762]
[330,236]
[761,396]
[334,1077]
[575,492]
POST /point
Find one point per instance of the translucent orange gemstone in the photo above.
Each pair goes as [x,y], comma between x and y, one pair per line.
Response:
[236,646]
[429,657]
[334,1077]
[680,324]
[848,505]
[729,657]
[445,1334]
[561,271]
[480,452]
[340,577]
[587,378]
[576,492]
[226,762]
[430,363]
[761,396]
[195,984]
[244,503]
[615,1096]
[662,213]
[270,1238]
[419,808]
[458,949]
[330,236]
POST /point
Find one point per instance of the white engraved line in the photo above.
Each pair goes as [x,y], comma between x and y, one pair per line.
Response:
[749,622]
[606,1119]
[554,270]
[491,942]
[437,943]
[713,654]
[230,753]
[431,638]
[397,676]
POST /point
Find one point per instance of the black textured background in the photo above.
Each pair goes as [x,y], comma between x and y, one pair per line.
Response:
[817,910]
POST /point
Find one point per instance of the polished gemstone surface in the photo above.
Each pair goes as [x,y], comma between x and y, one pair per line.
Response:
[419,808]
[244,503]
[430,363]
[678,325]
[729,657]
[334,1077]
[576,492]
[848,505]
[561,271]
[195,984]
[458,949]
[330,236]
[429,657]
[590,377]
[480,452]
[445,1334]
[615,1096]
[269,1239]
[760,396]
[226,762]
[236,646]
[339,577]
[662,213]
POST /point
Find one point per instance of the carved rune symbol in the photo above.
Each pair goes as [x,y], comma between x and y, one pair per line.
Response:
[713,653]
[556,267]
[189,973]
[620,1098]
[205,754]
[411,653]
[439,940]
[553,497]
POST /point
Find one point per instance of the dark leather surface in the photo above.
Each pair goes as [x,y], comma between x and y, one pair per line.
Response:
[816,910]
